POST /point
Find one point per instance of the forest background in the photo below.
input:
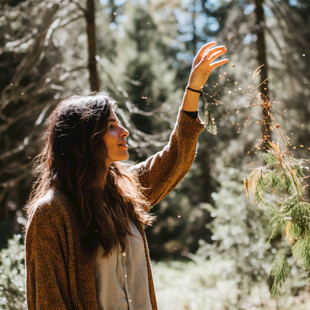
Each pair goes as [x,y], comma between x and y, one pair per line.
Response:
[209,244]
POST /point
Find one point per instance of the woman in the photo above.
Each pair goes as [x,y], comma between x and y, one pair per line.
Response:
[85,241]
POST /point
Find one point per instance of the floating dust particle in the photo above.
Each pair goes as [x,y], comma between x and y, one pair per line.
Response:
[179,216]
[22,94]
[220,18]
[144,97]
[303,55]
[233,66]
[236,83]
[294,147]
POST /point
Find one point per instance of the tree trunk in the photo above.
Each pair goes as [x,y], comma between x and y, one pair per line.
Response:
[91,38]
[262,61]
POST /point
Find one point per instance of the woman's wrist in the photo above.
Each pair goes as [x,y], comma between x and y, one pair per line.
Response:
[190,100]
[198,91]
[196,86]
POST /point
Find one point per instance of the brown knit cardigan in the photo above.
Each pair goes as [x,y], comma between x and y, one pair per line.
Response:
[57,276]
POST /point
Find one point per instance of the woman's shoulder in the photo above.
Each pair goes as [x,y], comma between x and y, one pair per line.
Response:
[50,226]
[53,209]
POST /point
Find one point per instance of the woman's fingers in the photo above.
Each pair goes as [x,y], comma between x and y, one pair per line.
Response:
[203,49]
[215,52]
[218,63]
[203,63]
[216,55]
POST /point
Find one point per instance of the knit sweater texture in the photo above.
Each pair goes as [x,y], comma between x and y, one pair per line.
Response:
[57,277]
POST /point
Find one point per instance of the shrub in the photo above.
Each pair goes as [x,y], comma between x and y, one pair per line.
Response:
[12,275]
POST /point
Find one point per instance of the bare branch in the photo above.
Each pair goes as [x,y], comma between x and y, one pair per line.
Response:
[79,6]
[34,54]
[68,21]
[13,182]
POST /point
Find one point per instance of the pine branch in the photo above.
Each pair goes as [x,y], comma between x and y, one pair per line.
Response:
[283,178]
[280,270]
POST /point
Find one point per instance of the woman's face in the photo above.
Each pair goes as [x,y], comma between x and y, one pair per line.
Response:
[115,140]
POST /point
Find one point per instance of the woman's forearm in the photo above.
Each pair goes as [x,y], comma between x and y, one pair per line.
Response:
[190,101]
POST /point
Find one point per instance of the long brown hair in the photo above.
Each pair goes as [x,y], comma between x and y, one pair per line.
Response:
[73,160]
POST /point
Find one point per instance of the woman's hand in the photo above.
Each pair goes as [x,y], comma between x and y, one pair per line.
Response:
[202,64]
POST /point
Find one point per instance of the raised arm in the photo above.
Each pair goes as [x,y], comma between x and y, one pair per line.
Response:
[160,173]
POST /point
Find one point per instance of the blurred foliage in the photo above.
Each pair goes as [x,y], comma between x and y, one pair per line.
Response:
[207,284]
[239,233]
[12,275]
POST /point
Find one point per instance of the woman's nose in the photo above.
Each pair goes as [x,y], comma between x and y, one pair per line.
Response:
[124,132]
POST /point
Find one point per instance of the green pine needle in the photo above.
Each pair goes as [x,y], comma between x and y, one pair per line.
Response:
[301,251]
[280,270]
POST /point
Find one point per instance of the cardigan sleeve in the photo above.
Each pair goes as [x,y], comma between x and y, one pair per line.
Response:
[47,278]
[160,173]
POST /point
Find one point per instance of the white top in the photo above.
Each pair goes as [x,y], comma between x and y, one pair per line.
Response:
[121,277]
